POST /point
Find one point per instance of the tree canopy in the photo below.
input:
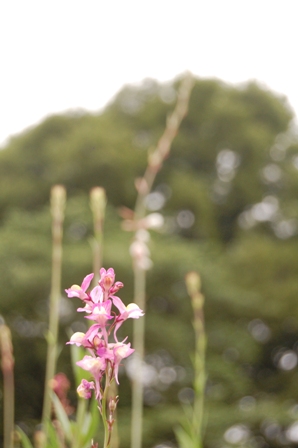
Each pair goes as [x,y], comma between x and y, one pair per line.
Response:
[228,194]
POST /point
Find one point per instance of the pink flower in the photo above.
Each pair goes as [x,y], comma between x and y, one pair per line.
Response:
[77,338]
[106,281]
[101,312]
[105,356]
[87,308]
[121,351]
[116,287]
[105,352]
[84,389]
[80,291]
[132,311]
[60,385]
[107,278]
[97,294]
[96,366]
[89,340]
[93,364]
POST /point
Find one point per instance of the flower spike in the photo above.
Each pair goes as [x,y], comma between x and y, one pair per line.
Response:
[104,356]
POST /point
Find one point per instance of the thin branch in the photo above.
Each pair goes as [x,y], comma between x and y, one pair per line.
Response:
[144,186]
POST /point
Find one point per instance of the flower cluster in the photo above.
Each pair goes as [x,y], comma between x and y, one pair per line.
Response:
[105,357]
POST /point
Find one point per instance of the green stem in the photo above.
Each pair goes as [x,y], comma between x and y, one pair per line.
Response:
[104,420]
[107,432]
[97,204]
[8,385]
[112,393]
[155,162]
[193,284]
[80,414]
[139,345]
[58,195]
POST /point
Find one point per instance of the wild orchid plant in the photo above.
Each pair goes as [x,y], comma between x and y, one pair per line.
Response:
[105,351]
[101,341]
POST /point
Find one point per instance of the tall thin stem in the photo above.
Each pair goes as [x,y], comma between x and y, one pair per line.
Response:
[8,384]
[98,205]
[104,419]
[193,284]
[104,401]
[138,338]
[58,197]
[155,162]
[80,416]
[163,147]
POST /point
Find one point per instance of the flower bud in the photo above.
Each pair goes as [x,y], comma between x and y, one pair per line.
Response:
[58,198]
[193,282]
[113,404]
[98,202]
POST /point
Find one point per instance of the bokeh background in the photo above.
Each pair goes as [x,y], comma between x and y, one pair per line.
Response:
[227,192]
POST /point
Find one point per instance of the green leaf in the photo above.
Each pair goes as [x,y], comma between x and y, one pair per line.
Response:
[24,438]
[53,440]
[186,440]
[92,422]
[62,417]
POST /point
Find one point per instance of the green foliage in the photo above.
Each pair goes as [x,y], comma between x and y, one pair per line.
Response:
[185,436]
[233,161]
[80,432]
[24,439]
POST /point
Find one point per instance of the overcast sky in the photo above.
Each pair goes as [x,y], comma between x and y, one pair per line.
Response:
[63,54]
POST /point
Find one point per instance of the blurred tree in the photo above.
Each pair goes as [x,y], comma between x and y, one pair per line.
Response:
[228,195]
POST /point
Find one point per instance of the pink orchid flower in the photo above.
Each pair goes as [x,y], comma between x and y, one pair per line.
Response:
[101,312]
[121,351]
[105,356]
[131,311]
[107,279]
[96,366]
[84,389]
[93,364]
[89,340]
[95,296]
[80,291]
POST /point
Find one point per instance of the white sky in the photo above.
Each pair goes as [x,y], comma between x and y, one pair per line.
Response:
[62,54]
